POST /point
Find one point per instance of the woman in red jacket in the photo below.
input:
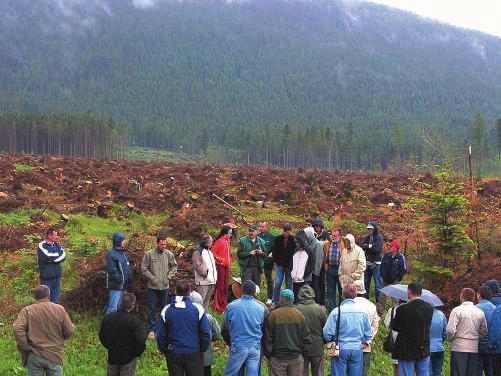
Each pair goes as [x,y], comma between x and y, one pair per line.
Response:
[221,251]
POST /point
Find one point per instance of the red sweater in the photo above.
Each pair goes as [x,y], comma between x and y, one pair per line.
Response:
[221,251]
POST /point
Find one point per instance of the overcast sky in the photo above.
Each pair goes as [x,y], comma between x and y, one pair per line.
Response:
[483,15]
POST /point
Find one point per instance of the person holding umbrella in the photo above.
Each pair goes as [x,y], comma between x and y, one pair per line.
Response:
[393,269]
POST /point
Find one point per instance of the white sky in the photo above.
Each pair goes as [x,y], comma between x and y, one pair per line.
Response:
[482,15]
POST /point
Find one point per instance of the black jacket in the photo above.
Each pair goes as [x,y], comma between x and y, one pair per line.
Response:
[374,252]
[412,322]
[123,336]
[283,255]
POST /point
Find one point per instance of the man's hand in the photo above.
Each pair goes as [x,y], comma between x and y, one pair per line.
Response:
[252,253]
[259,251]
[370,246]
[365,346]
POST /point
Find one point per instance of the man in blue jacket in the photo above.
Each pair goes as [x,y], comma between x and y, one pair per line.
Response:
[50,256]
[184,333]
[118,272]
[393,269]
[494,339]
[484,296]
[373,248]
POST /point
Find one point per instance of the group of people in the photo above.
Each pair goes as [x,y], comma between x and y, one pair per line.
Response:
[290,331]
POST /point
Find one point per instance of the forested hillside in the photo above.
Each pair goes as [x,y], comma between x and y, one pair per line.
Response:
[321,83]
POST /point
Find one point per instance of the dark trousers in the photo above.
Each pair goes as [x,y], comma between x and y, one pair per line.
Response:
[251,273]
[317,365]
[156,299]
[54,286]
[496,364]
[208,371]
[464,364]
[318,285]
[185,364]
[366,363]
[436,363]
[268,275]
[333,285]
[485,364]
[128,369]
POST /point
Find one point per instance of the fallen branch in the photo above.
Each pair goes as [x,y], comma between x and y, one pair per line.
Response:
[231,206]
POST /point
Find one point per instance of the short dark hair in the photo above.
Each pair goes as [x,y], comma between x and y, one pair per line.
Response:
[468,294]
[183,287]
[350,291]
[485,292]
[204,240]
[49,231]
[161,237]
[127,302]
[415,288]
[338,229]
[41,292]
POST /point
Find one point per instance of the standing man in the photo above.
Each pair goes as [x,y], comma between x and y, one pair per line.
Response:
[494,339]
[204,266]
[412,322]
[268,238]
[496,291]
[318,275]
[118,272]
[242,329]
[370,308]
[158,266]
[122,335]
[438,334]
[40,331]
[50,256]
[352,265]
[184,333]
[354,334]
[303,261]
[321,234]
[315,316]
[332,252]
[485,356]
[286,336]
[283,250]
[250,256]
[393,269]
[467,325]
[373,247]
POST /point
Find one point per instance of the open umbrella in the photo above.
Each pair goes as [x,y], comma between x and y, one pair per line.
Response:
[400,292]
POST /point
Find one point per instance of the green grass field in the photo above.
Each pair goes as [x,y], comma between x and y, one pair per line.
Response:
[84,355]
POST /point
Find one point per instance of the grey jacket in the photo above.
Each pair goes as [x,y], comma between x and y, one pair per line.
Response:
[158,268]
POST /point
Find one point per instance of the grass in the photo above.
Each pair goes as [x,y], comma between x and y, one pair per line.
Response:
[150,154]
[17,217]
[23,167]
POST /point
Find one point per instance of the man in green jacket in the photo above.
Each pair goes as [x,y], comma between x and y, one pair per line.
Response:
[268,238]
[158,266]
[250,256]
[316,317]
[286,337]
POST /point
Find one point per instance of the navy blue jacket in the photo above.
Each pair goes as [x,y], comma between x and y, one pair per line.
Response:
[374,252]
[393,268]
[118,271]
[50,256]
[183,328]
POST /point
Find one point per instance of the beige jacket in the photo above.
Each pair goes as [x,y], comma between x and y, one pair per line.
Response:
[158,268]
[204,267]
[352,265]
[42,328]
[466,326]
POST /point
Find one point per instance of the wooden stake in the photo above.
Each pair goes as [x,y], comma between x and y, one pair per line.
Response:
[231,206]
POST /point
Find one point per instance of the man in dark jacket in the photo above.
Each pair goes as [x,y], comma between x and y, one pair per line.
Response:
[303,262]
[286,336]
[184,333]
[373,248]
[268,238]
[118,271]
[316,317]
[50,256]
[124,338]
[321,234]
[283,250]
[496,291]
[412,322]
[393,269]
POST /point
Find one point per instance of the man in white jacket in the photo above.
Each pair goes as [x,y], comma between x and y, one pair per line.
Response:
[467,325]
[204,267]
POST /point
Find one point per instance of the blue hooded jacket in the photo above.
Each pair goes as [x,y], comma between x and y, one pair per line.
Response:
[373,253]
[50,256]
[494,334]
[118,271]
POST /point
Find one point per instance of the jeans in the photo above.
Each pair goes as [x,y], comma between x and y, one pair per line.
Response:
[370,273]
[281,273]
[332,282]
[128,369]
[38,366]
[407,367]
[156,299]
[54,286]
[115,296]
[485,364]
[349,362]
[436,363]
[250,356]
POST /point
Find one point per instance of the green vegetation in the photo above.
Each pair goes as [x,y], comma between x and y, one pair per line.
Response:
[22,167]
[150,154]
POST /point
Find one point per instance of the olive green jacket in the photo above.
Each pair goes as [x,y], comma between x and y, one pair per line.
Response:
[158,268]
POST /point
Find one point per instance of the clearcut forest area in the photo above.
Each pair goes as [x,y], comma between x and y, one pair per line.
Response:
[141,199]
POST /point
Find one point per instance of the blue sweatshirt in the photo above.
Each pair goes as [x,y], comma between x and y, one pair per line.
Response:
[494,334]
[487,308]
[50,256]
[183,328]
[438,331]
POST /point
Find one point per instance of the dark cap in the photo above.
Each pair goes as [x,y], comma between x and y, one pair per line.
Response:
[249,287]
[253,228]
[287,226]
[318,222]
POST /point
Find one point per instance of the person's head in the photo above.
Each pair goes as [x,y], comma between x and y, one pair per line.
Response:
[394,246]
[484,292]
[225,232]
[318,225]
[300,239]
[286,295]
[287,229]
[206,241]
[263,226]
[493,285]
[249,288]
[118,240]
[41,292]
[370,228]
[161,242]
[196,298]
[183,287]
[336,233]
[253,231]
[350,242]
[308,222]
[350,291]
[414,290]
[51,235]
[467,295]
[127,302]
